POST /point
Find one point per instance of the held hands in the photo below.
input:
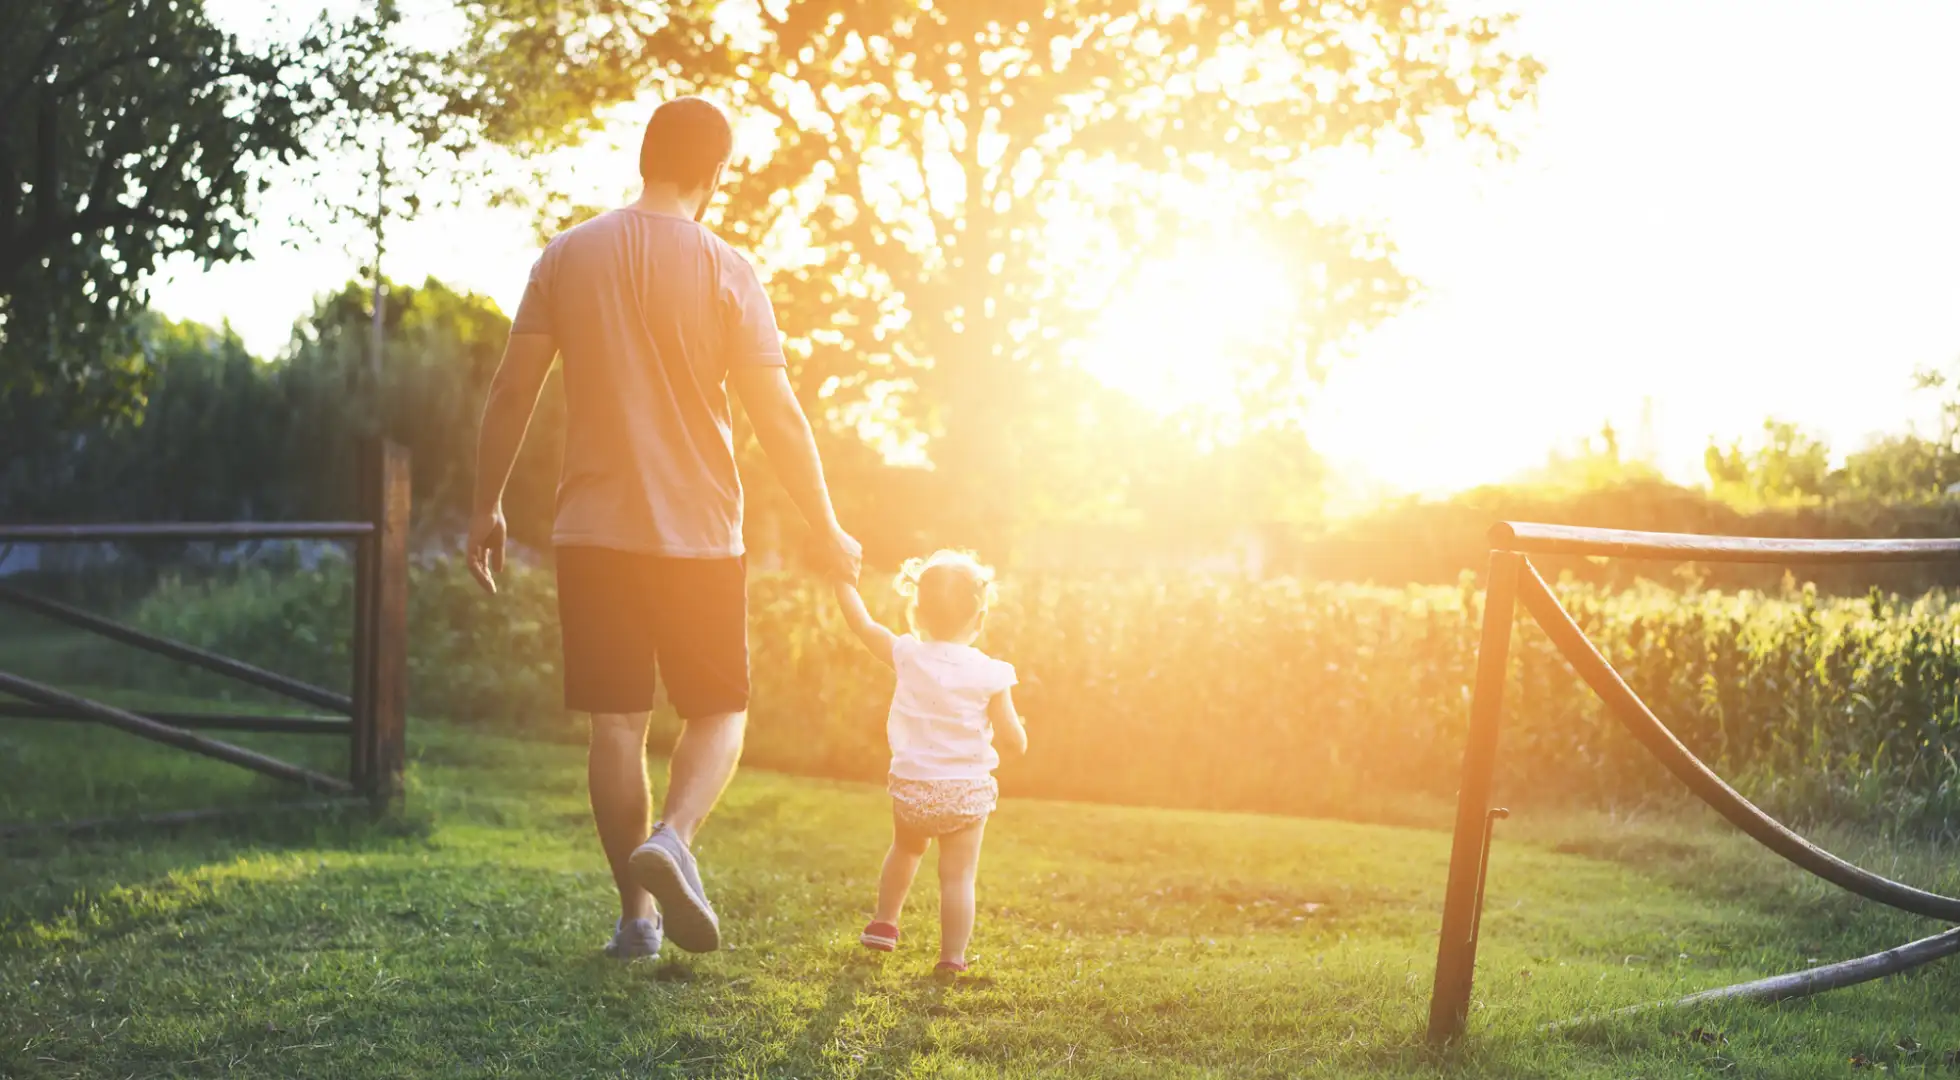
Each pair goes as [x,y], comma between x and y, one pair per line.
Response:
[486,548]
[840,555]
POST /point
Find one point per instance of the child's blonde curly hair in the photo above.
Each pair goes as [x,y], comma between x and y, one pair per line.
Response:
[947,594]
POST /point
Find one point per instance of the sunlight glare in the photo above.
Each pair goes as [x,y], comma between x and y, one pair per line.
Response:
[1182,336]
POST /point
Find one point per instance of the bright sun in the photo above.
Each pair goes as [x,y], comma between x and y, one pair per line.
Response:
[1181,337]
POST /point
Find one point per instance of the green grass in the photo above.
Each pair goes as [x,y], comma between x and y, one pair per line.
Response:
[51,770]
[56,770]
[461,939]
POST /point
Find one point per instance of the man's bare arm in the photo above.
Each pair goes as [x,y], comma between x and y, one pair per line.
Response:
[785,435]
[507,413]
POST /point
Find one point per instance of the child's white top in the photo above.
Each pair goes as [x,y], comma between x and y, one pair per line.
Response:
[938,726]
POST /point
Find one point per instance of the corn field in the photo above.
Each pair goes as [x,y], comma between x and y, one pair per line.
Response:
[1279,696]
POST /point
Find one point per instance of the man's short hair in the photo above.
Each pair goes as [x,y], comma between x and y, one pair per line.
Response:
[687,139]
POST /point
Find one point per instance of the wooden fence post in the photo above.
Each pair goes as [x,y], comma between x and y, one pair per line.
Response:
[1456,949]
[391,622]
[381,624]
[361,732]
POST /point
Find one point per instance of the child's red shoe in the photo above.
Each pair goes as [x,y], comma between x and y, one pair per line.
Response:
[949,967]
[879,937]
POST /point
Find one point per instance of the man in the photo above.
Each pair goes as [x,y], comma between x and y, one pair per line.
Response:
[654,317]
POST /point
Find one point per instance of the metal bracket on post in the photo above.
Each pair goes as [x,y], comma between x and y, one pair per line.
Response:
[1497,814]
[1456,947]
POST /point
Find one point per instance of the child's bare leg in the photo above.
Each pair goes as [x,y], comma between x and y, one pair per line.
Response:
[959,868]
[901,866]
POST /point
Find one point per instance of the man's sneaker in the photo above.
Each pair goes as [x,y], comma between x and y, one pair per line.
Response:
[880,937]
[635,939]
[664,867]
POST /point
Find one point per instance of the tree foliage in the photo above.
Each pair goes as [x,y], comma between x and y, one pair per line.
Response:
[202,454]
[1899,468]
[1787,465]
[226,435]
[1598,461]
[960,187]
[128,133]
[443,347]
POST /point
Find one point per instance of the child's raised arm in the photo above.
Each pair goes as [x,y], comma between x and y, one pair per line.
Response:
[868,630]
[1000,712]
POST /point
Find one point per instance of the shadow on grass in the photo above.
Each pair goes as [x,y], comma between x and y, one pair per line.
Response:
[53,873]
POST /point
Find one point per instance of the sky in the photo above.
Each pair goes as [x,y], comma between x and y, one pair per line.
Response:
[1719,211]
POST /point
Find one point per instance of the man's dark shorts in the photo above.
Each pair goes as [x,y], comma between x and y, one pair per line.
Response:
[628,616]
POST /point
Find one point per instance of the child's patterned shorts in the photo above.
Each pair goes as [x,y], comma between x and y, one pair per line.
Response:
[939,807]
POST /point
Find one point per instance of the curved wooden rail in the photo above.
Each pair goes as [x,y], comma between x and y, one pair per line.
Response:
[1534,538]
[1833,976]
[1585,659]
[1806,982]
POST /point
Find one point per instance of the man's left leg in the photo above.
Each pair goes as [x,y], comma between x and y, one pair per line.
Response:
[704,762]
[704,657]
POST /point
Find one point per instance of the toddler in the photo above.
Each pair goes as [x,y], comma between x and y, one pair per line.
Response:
[950,703]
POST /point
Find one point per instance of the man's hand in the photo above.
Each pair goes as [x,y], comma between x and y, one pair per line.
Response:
[506,413]
[486,548]
[840,555]
[784,433]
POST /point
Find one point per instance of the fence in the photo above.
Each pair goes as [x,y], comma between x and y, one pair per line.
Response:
[372,718]
[1512,579]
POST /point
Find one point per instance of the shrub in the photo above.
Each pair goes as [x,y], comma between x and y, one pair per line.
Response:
[1279,696]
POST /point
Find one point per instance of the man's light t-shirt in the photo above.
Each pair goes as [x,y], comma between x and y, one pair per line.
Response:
[650,312]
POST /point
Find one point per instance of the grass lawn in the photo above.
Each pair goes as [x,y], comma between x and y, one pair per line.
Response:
[44,774]
[462,939]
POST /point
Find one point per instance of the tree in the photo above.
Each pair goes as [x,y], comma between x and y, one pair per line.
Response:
[445,346]
[394,127]
[1911,467]
[208,449]
[1788,465]
[128,133]
[1898,468]
[928,155]
[1596,462]
[225,434]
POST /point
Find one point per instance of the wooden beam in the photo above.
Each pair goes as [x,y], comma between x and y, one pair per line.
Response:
[39,693]
[263,722]
[381,631]
[1536,539]
[1804,983]
[1638,719]
[184,530]
[177,650]
[1456,945]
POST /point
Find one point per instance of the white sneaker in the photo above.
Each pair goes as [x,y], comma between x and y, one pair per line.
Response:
[664,867]
[635,940]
